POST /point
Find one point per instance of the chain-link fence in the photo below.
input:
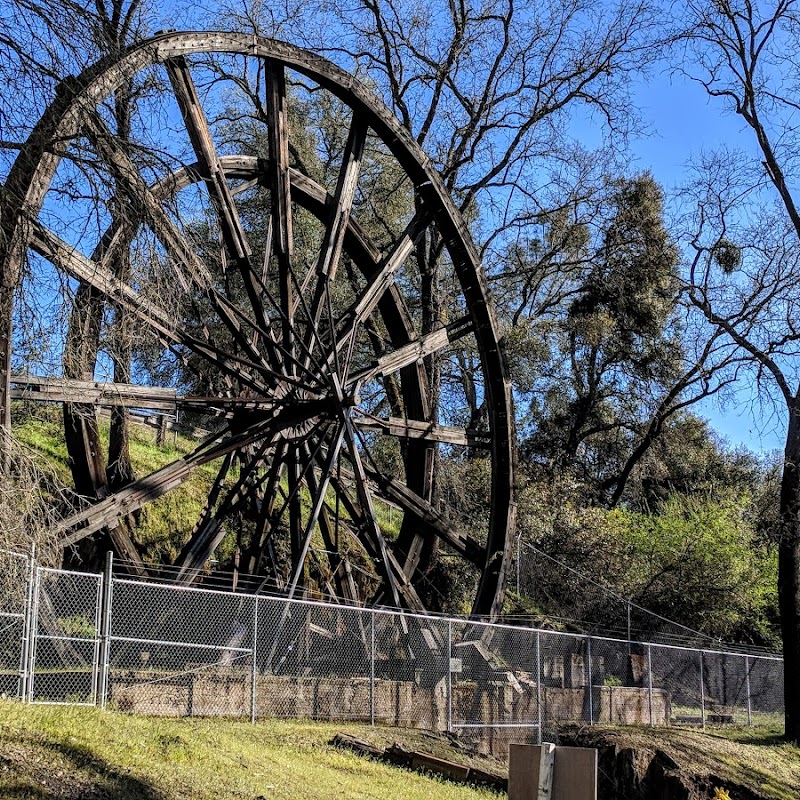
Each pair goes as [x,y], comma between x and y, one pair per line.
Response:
[15,603]
[155,648]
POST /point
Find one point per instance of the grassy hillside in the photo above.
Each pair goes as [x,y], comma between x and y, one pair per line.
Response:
[73,753]
[62,752]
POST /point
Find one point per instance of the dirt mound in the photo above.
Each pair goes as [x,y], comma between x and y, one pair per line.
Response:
[674,764]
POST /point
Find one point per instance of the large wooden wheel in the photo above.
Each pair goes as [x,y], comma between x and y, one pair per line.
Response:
[289,300]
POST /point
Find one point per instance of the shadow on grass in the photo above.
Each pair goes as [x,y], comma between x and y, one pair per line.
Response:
[759,740]
[93,777]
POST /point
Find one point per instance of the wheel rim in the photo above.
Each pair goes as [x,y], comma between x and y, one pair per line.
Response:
[316,360]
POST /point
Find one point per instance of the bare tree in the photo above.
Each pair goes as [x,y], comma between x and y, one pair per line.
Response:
[747,267]
[46,43]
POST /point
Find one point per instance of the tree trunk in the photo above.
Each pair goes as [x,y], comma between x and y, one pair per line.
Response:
[789,573]
[120,469]
[86,458]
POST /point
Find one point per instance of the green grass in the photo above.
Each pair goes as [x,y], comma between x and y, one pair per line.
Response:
[54,751]
[756,759]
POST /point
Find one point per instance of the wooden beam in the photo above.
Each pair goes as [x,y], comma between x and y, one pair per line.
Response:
[427,516]
[280,190]
[426,431]
[381,280]
[338,220]
[416,350]
[64,390]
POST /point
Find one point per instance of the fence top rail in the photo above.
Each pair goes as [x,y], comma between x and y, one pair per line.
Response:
[707,651]
[429,618]
[172,643]
[23,556]
[52,570]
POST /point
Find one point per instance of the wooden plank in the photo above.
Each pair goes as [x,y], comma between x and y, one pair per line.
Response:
[427,431]
[280,190]
[338,220]
[530,771]
[415,351]
[66,390]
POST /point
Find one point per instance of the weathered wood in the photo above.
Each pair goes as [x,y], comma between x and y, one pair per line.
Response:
[209,532]
[428,431]
[369,517]
[280,189]
[382,279]
[428,516]
[316,508]
[63,390]
[203,145]
[420,348]
[338,219]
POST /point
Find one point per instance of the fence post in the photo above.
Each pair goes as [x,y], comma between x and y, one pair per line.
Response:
[702,694]
[254,664]
[105,646]
[539,684]
[27,622]
[629,622]
[589,677]
[449,676]
[747,685]
[371,667]
[650,683]
[37,582]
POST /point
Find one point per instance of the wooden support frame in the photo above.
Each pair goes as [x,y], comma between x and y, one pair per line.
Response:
[293,355]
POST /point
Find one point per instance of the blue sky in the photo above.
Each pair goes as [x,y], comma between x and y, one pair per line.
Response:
[684,121]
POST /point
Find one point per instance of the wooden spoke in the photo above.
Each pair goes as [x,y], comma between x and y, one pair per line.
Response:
[365,500]
[214,176]
[262,543]
[207,158]
[210,532]
[427,516]
[316,508]
[339,217]
[280,189]
[328,528]
[145,490]
[128,395]
[381,279]
[426,431]
[213,495]
[153,486]
[415,351]
[74,263]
